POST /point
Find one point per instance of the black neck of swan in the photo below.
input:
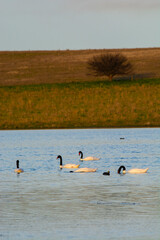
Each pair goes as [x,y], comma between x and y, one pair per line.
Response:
[17,163]
[120,168]
[81,154]
[59,156]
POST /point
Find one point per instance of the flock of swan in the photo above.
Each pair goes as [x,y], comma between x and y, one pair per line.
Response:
[121,169]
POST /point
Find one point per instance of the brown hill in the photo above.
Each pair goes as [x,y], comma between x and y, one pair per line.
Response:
[36,67]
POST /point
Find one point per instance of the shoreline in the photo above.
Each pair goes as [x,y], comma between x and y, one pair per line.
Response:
[27,129]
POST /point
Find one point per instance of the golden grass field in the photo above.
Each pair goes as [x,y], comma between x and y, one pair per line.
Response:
[53,89]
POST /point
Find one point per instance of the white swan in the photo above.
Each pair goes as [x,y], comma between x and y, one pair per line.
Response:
[18,170]
[67,165]
[133,171]
[84,170]
[87,158]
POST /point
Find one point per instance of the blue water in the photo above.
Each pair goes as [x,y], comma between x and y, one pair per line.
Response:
[45,202]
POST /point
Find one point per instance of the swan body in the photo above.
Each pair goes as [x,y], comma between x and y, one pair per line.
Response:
[133,171]
[18,170]
[138,170]
[84,170]
[69,165]
[87,158]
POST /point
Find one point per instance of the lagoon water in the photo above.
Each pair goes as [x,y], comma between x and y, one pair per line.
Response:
[45,202]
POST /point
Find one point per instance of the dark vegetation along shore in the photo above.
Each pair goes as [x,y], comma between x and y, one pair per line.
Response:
[54,89]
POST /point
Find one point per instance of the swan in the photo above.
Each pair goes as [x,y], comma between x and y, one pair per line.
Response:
[18,170]
[84,170]
[67,165]
[87,158]
[133,171]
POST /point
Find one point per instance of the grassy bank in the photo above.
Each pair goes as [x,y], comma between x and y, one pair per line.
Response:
[53,89]
[81,105]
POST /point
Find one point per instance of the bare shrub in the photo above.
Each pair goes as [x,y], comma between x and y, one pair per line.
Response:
[110,65]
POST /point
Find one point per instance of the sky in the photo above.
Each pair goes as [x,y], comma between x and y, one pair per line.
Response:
[79,24]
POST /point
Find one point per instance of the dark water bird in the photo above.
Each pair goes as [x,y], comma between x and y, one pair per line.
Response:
[87,158]
[69,165]
[106,173]
[133,171]
[18,170]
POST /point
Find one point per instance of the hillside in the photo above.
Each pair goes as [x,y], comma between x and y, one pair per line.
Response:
[36,67]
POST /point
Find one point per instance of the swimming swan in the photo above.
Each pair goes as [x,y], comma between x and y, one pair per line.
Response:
[87,158]
[133,171]
[18,170]
[84,170]
[67,165]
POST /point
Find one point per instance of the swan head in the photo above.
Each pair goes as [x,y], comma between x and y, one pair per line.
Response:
[106,173]
[80,154]
[59,157]
[120,168]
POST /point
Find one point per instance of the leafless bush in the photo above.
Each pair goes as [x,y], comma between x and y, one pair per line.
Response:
[110,65]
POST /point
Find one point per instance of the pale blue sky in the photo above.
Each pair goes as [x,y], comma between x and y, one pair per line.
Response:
[79,24]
